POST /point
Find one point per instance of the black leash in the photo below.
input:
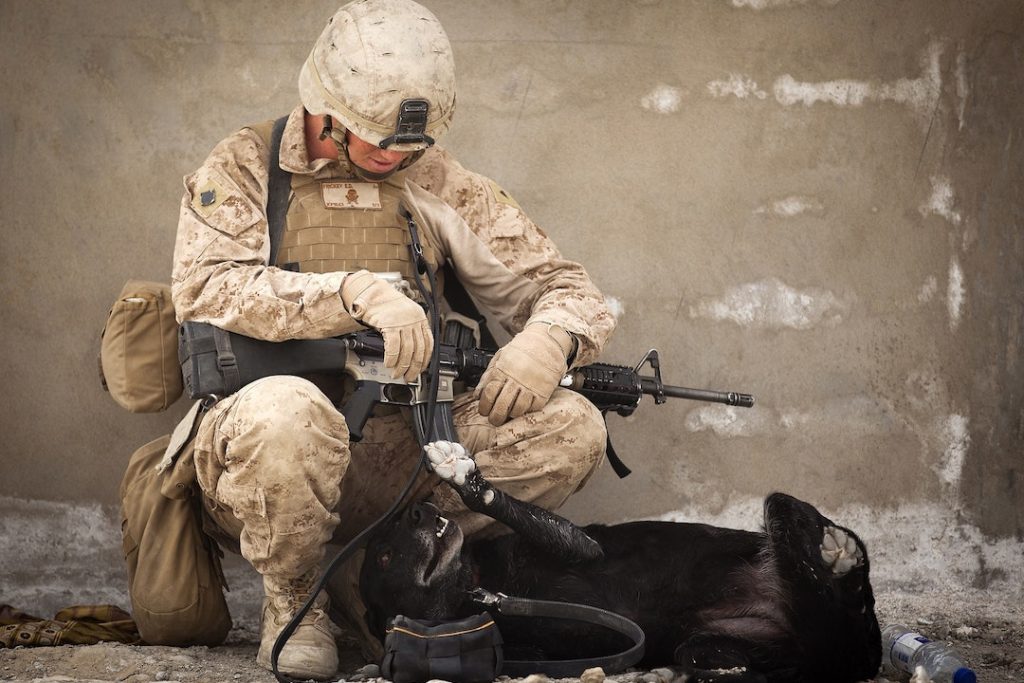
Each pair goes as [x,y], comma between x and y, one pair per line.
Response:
[565,668]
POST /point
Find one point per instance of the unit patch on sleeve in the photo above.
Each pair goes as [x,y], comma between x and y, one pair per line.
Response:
[351,195]
[208,196]
[501,195]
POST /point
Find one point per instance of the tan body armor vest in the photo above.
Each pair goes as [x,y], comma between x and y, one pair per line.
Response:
[320,238]
[338,223]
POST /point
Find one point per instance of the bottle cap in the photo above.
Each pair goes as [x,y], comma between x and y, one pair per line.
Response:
[964,675]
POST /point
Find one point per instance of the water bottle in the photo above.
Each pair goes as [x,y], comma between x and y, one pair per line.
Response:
[903,650]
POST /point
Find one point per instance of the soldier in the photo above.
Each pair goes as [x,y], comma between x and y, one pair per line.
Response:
[279,478]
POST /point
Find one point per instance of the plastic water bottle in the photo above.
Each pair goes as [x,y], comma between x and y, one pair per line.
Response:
[903,650]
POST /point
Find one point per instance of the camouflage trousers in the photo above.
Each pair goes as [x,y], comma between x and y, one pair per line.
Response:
[278,473]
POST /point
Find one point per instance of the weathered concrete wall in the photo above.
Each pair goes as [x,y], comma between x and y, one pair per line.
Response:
[816,201]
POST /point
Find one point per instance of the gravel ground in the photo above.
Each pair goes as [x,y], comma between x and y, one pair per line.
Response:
[986,628]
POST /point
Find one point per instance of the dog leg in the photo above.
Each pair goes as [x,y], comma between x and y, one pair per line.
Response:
[826,568]
[808,545]
[839,550]
[546,530]
[717,659]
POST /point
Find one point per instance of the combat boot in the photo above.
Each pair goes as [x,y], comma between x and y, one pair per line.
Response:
[310,651]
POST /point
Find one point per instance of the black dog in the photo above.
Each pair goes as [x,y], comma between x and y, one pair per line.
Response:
[792,603]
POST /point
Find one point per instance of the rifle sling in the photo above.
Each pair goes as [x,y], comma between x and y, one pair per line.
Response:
[444,422]
[279,188]
[572,668]
[620,468]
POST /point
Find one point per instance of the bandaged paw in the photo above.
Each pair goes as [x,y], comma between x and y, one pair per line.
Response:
[839,551]
[450,461]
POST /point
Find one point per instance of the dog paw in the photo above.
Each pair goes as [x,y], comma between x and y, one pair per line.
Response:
[450,461]
[839,550]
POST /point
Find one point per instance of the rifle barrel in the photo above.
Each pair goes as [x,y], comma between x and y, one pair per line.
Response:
[731,398]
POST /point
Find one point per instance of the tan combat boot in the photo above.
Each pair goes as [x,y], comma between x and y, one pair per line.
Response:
[310,651]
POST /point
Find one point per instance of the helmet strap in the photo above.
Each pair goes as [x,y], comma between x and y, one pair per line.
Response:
[338,136]
[325,132]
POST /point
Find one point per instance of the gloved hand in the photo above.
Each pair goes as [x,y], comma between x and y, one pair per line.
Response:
[400,320]
[524,372]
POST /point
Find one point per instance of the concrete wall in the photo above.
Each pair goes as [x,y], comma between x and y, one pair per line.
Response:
[815,201]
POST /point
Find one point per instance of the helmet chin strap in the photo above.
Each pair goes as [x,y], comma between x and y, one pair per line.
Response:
[337,135]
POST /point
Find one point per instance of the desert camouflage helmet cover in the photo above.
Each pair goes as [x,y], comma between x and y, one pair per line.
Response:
[373,55]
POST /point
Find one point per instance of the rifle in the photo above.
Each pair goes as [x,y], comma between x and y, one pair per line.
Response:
[217,363]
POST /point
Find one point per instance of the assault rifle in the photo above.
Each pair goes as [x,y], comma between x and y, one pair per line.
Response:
[217,363]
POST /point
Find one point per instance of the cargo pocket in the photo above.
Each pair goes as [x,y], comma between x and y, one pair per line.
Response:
[301,536]
[275,542]
[248,505]
[173,568]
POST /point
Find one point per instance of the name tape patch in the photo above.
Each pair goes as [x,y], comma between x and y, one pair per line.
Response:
[351,195]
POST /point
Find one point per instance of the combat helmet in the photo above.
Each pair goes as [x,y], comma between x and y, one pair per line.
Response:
[384,70]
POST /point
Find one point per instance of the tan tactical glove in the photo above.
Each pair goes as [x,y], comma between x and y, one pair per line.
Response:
[524,372]
[400,320]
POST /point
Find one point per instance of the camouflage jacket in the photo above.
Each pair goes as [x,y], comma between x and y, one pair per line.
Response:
[220,273]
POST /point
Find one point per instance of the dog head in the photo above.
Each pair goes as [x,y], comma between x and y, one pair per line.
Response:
[413,567]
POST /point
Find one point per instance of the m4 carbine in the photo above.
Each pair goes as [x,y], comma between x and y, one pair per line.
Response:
[217,363]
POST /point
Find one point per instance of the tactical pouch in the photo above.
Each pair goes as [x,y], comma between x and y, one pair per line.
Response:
[209,365]
[138,349]
[464,651]
[174,574]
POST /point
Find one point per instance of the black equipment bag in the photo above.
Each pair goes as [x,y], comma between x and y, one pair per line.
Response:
[464,651]
[471,650]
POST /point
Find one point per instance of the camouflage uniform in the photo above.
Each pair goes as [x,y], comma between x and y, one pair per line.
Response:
[273,460]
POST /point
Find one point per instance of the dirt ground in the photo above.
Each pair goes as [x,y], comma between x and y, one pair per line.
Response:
[988,631]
